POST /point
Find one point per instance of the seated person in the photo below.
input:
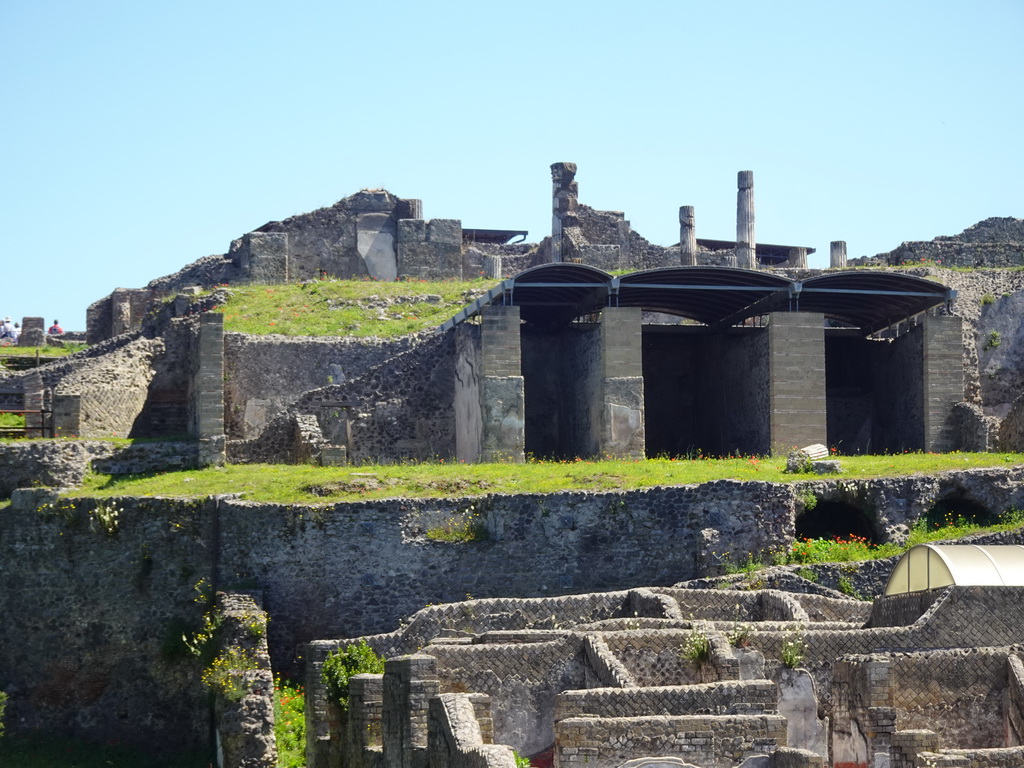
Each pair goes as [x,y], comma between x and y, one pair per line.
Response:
[55,329]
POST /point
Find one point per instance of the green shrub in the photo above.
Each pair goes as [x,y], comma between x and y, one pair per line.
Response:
[340,665]
[987,299]
[793,650]
[3,709]
[697,647]
[994,340]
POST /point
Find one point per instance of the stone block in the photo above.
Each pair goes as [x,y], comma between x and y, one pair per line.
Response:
[33,332]
[412,231]
[445,231]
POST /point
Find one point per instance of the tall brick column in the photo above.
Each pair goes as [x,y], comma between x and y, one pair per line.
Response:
[502,394]
[209,388]
[796,380]
[621,431]
[409,684]
[943,375]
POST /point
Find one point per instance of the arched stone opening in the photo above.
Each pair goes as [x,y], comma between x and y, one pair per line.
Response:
[957,509]
[832,519]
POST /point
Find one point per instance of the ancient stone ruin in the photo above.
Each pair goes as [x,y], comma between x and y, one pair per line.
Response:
[577,647]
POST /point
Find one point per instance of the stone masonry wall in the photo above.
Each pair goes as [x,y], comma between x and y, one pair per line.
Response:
[265,374]
[713,742]
[111,391]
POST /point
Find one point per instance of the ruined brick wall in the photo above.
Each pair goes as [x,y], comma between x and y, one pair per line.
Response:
[111,391]
[960,694]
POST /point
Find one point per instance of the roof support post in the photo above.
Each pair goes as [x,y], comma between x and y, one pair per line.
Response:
[796,380]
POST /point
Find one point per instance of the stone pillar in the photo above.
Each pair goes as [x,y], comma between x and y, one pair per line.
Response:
[796,380]
[34,422]
[67,415]
[33,332]
[120,312]
[746,248]
[209,388]
[492,266]
[797,258]
[687,237]
[502,394]
[943,375]
[365,704]
[837,254]
[565,193]
[621,431]
[409,684]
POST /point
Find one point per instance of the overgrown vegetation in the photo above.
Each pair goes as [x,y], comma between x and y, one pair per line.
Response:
[697,646]
[305,484]
[340,665]
[3,712]
[289,724]
[793,650]
[346,307]
[460,528]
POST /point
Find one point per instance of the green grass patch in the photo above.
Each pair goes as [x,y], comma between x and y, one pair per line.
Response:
[304,484]
[69,348]
[289,724]
[12,421]
[51,751]
[346,307]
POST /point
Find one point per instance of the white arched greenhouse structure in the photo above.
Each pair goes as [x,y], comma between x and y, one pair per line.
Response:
[932,566]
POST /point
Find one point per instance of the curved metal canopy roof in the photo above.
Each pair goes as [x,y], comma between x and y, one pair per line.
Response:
[554,294]
[931,566]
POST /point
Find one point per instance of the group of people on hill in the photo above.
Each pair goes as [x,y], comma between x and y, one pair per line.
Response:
[11,332]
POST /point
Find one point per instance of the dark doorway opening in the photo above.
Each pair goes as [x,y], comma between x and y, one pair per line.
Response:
[835,519]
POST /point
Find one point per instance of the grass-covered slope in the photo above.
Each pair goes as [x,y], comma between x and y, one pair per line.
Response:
[282,483]
[345,307]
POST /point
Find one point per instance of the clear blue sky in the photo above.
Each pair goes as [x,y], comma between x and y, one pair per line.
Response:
[140,136]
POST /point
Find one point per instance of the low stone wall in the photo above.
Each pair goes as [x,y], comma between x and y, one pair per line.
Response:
[64,463]
[749,697]
[458,738]
[714,742]
[244,685]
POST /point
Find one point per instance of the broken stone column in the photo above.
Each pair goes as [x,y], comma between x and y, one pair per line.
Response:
[837,254]
[797,258]
[746,256]
[33,332]
[121,312]
[687,237]
[565,194]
